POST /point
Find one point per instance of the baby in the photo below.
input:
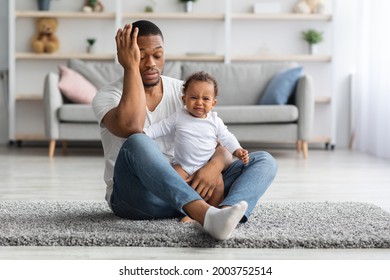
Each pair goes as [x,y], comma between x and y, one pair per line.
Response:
[198,131]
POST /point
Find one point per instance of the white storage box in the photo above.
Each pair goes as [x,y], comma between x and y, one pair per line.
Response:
[266,8]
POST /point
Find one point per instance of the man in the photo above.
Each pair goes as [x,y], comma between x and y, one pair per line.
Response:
[143,184]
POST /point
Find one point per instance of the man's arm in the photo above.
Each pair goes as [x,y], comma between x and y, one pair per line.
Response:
[208,177]
[129,116]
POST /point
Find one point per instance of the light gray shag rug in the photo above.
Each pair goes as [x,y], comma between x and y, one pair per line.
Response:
[272,225]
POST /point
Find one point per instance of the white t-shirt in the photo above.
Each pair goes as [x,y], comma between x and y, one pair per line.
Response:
[108,97]
[195,138]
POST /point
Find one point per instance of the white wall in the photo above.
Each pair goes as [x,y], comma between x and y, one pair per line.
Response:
[341,42]
[3,66]
[345,35]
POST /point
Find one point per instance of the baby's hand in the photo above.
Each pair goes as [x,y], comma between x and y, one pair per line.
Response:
[242,154]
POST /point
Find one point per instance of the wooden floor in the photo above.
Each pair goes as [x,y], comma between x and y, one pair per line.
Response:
[27,173]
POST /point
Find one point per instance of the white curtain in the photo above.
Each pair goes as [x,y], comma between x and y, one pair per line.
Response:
[372,80]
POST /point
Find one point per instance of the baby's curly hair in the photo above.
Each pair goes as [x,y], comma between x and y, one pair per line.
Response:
[200,77]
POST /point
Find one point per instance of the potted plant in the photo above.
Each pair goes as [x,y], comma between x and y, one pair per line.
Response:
[312,37]
[91,42]
[187,5]
[92,6]
[43,5]
[150,8]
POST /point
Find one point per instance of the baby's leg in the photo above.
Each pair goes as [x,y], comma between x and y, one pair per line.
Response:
[181,171]
[217,195]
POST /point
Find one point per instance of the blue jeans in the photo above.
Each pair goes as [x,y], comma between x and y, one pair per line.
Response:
[147,187]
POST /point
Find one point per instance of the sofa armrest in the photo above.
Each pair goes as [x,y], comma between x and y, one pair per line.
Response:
[304,100]
[52,101]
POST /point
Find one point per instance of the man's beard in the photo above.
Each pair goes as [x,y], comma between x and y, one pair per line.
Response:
[153,84]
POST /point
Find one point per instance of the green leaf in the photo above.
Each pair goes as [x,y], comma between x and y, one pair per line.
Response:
[312,36]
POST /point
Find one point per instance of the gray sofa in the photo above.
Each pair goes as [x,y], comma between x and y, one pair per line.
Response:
[241,86]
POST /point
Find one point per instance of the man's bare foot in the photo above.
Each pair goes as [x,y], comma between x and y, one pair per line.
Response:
[186,219]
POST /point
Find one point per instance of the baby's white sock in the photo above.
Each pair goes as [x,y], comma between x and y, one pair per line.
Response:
[220,223]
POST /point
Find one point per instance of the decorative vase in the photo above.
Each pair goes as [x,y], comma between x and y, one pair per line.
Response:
[43,5]
[91,49]
[313,48]
[91,45]
[188,6]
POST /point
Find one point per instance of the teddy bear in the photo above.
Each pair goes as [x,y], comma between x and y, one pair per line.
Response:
[309,7]
[45,40]
[92,6]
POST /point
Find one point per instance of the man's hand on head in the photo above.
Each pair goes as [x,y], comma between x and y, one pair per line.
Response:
[128,52]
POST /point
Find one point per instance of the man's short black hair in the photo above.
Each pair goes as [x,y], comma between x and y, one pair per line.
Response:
[147,28]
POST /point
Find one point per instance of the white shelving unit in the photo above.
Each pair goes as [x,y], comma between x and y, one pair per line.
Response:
[289,57]
[22,98]
[279,17]
[115,17]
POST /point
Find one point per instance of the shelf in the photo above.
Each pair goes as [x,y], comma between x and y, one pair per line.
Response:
[29,97]
[71,15]
[198,57]
[63,56]
[291,16]
[180,16]
[85,56]
[281,57]
[323,100]
[195,57]
[189,16]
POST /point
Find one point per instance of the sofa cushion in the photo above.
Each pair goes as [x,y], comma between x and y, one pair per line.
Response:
[76,113]
[75,87]
[98,73]
[172,69]
[281,86]
[255,114]
[239,83]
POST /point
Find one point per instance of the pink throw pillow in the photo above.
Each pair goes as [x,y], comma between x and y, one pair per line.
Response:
[75,87]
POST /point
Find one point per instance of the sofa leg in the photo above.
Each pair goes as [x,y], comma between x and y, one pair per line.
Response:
[64,147]
[299,146]
[52,147]
[305,148]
